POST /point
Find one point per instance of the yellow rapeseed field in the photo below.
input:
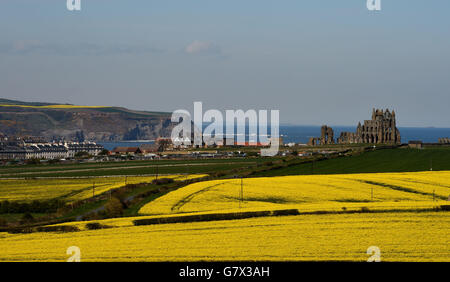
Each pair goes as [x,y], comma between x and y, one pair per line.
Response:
[402,236]
[69,189]
[409,190]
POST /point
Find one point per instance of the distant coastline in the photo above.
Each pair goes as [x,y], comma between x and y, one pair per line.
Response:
[301,134]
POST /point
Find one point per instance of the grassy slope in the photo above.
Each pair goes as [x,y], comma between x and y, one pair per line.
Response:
[387,160]
[15,102]
[127,168]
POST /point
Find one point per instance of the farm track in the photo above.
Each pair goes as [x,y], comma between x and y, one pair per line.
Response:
[400,188]
[189,197]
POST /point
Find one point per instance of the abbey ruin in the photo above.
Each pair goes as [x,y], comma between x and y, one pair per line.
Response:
[381,129]
[327,137]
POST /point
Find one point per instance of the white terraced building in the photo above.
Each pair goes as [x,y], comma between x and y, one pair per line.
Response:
[48,150]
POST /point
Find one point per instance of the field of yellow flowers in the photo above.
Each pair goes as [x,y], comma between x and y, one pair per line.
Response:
[69,189]
[400,232]
[411,190]
[401,236]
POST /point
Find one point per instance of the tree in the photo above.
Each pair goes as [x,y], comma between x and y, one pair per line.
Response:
[114,208]
[81,154]
[32,161]
[3,222]
[27,218]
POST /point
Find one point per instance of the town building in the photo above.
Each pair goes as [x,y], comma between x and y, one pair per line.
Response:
[23,150]
[151,148]
[89,147]
[415,144]
[126,151]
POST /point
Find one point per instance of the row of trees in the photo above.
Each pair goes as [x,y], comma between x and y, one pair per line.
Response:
[31,207]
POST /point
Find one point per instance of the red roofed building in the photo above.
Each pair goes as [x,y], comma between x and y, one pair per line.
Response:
[126,151]
[255,144]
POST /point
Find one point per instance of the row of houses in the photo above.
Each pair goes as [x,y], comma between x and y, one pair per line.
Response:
[48,150]
[179,142]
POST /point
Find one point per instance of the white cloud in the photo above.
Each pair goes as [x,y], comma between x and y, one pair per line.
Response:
[203,47]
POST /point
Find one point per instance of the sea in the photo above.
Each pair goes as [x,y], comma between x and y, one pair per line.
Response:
[302,133]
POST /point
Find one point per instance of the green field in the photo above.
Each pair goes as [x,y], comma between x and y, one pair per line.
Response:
[381,160]
[128,168]
[385,160]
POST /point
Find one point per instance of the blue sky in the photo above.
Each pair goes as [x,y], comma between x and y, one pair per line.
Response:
[317,61]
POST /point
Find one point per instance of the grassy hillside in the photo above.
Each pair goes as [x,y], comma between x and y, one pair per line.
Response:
[128,168]
[15,102]
[387,160]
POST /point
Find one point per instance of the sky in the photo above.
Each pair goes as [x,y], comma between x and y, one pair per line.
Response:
[316,61]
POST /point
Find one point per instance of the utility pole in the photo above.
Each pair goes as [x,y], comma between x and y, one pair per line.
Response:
[126,178]
[241,200]
[93,189]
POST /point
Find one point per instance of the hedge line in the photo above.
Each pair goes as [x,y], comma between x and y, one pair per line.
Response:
[213,217]
[58,228]
[49,206]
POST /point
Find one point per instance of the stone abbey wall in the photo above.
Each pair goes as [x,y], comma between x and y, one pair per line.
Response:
[381,129]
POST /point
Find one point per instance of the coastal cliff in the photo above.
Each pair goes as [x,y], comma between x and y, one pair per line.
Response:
[81,123]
